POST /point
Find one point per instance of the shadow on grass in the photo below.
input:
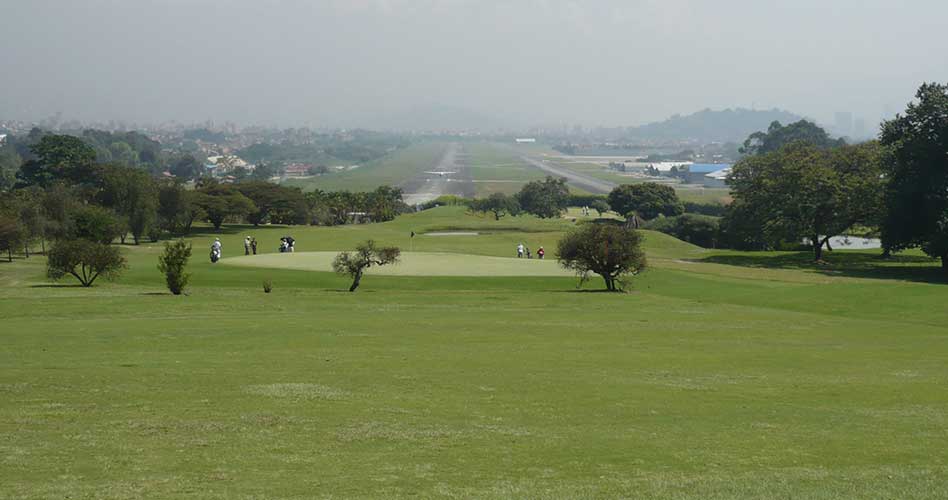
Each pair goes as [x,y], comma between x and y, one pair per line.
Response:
[58,285]
[848,264]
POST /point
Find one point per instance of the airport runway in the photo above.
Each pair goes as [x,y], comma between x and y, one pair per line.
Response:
[581,181]
[426,187]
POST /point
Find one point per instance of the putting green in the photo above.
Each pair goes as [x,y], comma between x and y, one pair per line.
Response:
[412,264]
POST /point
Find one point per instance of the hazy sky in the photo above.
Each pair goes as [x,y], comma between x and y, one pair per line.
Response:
[359,62]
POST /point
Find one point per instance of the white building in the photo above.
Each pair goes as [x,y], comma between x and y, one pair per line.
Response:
[522,140]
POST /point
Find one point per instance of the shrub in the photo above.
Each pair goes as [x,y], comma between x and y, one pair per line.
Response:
[94,223]
[267,285]
[585,200]
[698,230]
[712,209]
[446,200]
[172,262]
[85,260]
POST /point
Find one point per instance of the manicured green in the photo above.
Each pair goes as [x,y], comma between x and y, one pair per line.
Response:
[720,375]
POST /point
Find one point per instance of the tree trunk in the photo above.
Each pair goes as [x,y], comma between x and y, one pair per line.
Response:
[26,249]
[817,249]
[43,245]
[355,281]
[944,263]
[10,254]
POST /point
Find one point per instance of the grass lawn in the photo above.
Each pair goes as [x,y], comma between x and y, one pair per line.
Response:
[720,375]
[497,167]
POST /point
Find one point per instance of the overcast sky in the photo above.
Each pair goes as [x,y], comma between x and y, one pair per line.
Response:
[356,62]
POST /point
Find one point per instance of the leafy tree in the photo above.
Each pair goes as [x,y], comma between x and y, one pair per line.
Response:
[803,191]
[222,202]
[740,229]
[778,136]
[916,197]
[186,167]
[12,235]
[9,165]
[365,256]
[58,157]
[26,206]
[132,194]
[600,206]
[696,229]
[609,250]
[85,260]
[383,204]
[265,171]
[545,199]
[498,204]
[274,203]
[178,207]
[94,223]
[172,263]
[123,154]
[647,200]
[59,204]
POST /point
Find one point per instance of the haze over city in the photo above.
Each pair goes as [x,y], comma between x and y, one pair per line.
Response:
[381,64]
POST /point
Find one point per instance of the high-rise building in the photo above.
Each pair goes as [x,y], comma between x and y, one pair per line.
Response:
[844,123]
[859,128]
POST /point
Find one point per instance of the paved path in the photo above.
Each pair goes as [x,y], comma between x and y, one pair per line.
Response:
[582,181]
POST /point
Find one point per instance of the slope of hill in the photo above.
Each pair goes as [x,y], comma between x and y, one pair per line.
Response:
[728,125]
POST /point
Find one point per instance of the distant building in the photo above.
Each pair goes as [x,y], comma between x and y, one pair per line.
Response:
[666,166]
[717,179]
[844,123]
[698,171]
[522,140]
[297,169]
[3,138]
[859,129]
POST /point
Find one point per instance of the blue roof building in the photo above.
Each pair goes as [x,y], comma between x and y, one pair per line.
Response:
[697,171]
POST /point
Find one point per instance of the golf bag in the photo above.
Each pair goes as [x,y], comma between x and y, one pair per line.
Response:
[215,254]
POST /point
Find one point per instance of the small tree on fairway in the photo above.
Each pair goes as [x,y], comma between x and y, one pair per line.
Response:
[600,206]
[647,200]
[365,256]
[85,260]
[609,250]
[172,262]
[546,199]
[498,204]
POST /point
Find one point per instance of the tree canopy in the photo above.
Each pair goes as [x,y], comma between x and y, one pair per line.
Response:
[58,158]
[804,191]
[498,204]
[84,260]
[545,199]
[609,250]
[916,196]
[647,200]
[778,136]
